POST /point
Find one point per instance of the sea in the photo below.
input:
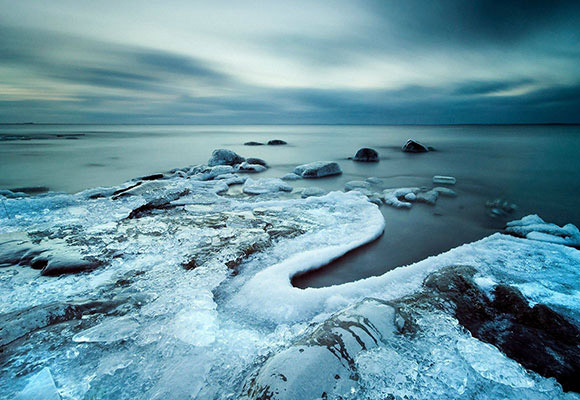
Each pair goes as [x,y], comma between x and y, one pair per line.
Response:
[534,167]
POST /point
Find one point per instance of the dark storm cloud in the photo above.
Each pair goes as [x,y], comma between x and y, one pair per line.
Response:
[417,62]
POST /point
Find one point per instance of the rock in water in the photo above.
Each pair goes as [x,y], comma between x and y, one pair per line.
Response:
[445,192]
[224,157]
[253,144]
[373,180]
[444,180]
[40,387]
[276,142]
[313,191]
[247,167]
[366,155]
[259,161]
[430,197]
[265,185]
[318,169]
[352,185]
[414,147]
[291,177]
[324,362]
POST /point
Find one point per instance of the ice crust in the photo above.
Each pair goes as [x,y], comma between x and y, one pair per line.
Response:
[202,332]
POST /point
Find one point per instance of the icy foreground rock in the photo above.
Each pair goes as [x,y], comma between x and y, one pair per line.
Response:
[193,298]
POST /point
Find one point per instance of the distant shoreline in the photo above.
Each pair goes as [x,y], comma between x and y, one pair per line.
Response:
[283,124]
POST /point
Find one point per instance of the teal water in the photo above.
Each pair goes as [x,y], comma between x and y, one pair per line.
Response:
[535,167]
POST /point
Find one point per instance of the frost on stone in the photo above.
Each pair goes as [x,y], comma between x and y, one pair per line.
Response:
[535,228]
[265,185]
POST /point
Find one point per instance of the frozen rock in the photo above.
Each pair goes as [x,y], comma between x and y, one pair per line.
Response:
[276,142]
[430,197]
[535,228]
[231,179]
[209,173]
[444,180]
[265,185]
[414,147]
[247,167]
[291,177]
[40,387]
[392,197]
[356,185]
[225,157]
[445,192]
[366,155]
[318,169]
[391,200]
[374,180]
[296,372]
[313,191]
[376,198]
[259,161]
[253,144]
[411,197]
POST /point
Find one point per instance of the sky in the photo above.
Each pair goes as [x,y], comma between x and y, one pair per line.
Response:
[290,62]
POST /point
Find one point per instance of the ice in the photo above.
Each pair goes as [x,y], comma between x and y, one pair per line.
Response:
[312,191]
[535,228]
[265,185]
[445,180]
[40,386]
[208,296]
[109,331]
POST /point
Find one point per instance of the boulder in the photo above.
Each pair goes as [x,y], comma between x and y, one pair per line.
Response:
[224,157]
[318,169]
[414,147]
[276,142]
[259,161]
[253,144]
[366,155]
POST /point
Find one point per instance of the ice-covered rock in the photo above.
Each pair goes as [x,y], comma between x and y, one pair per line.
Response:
[374,180]
[40,386]
[254,160]
[351,185]
[247,167]
[392,197]
[366,155]
[297,372]
[444,180]
[265,185]
[410,197]
[276,142]
[313,191]
[318,169]
[291,177]
[224,157]
[231,179]
[535,228]
[413,146]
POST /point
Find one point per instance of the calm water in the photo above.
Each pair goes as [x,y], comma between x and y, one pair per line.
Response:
[535,167]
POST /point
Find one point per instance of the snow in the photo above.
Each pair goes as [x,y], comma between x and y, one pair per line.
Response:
[535,228]
[205,332]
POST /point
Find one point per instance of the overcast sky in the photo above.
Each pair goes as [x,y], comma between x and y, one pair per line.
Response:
[358,62]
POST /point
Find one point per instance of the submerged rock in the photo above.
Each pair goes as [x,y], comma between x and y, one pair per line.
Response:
[276,142]
[374,180]
[352,185]
[225,157]
[430,197]
[414,147]
[313,191]
[265,185]
[318,169]
[366,155]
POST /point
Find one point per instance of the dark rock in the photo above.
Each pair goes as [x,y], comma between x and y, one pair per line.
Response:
[258,161]
[253,144]
[152,177]
[276,142]
[537,337]
[414,147]
[224,157]
[366,155]
[65,265]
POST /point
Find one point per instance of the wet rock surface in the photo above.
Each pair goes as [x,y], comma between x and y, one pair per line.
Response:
[413,146]
[366,155]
